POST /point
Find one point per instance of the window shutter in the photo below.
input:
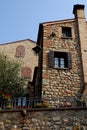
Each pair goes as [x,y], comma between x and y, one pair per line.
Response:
[69,60]
[26,72]
[51,59]
[20,51]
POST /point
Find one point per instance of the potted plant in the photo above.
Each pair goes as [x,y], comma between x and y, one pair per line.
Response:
[39,105]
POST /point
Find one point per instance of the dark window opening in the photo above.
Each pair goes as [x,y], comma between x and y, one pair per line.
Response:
[66,32]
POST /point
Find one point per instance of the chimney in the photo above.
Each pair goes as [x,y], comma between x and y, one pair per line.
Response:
[78,11]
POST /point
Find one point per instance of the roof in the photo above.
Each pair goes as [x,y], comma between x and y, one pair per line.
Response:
[59,21]
[19,41]
[41,25]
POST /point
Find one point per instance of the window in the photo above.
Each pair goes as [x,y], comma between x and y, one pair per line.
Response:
[66,32]
[59,59]
[20,51]
[26,72]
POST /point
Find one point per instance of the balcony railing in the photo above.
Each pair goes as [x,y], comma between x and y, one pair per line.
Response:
[55,102]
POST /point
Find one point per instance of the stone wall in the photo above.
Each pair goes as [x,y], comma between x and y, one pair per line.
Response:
[52,119]
[56,81]
[9,49]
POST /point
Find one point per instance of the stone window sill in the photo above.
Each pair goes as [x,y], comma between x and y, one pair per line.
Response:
[61,68]
[67,37]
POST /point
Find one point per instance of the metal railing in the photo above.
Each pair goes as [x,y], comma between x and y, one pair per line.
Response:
[29,103]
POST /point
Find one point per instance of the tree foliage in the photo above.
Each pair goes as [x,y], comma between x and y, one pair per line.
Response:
[10,79]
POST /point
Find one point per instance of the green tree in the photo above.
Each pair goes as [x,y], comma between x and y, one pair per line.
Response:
[10,80]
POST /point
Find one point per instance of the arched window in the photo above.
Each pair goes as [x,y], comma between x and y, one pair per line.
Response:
[26,72]
[20,51]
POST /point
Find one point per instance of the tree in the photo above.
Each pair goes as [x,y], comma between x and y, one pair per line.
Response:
[10,80]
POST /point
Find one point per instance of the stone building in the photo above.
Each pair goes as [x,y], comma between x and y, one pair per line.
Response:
[63,59]
[60,73]
[22,51]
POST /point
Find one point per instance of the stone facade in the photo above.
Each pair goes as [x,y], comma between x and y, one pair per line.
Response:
[61,73]
[43,120]
[63,81]
[22,51]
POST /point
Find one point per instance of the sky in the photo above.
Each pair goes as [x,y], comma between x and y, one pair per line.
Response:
[20,19]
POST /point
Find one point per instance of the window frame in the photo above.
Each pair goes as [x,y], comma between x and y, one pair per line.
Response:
[66,32]
[60,59]
[67,59]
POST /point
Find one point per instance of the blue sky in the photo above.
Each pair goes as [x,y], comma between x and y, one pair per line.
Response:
[19,19]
